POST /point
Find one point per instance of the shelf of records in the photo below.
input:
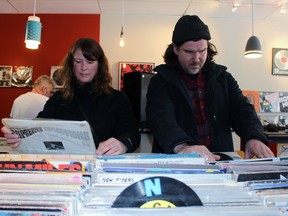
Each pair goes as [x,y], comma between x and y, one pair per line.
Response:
[142,184]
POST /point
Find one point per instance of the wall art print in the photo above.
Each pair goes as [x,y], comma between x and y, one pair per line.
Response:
[279,61]
[55,75]
[22,76]
[5,75]
[127,67]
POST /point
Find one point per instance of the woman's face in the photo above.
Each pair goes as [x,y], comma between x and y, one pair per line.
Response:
[84,70]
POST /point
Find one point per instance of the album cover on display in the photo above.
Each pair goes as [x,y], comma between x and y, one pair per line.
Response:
[253,97]
[283,102]
[279,61]
[269,101]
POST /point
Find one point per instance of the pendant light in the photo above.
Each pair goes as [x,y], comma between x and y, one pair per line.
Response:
[33,31]
[122,42]
[253,46]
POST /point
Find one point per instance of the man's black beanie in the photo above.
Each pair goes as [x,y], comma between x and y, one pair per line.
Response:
[190,27]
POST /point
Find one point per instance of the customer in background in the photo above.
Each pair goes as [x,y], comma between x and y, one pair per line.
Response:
[28,105]
[192,102]
[87,95]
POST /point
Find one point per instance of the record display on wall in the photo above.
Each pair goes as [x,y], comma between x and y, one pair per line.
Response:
[279,61]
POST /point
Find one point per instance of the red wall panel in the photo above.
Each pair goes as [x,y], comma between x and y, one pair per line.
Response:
[59,32]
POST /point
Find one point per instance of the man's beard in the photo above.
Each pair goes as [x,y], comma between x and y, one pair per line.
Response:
[193,71]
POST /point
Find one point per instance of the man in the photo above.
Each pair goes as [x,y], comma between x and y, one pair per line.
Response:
[192,102]
[28,105]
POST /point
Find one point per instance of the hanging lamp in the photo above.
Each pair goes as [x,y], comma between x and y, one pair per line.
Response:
[122,42]
[253,47]
[33,31]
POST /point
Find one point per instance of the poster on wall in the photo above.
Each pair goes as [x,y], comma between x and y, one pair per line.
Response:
[253,98]
[5,76]
[127,67]
[279,61]
[55,75]
[22,76]
[283,101]
[269,101]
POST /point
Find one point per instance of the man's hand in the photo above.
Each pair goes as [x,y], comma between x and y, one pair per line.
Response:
[258,149]
[111,146]
[11,139]
[199,149]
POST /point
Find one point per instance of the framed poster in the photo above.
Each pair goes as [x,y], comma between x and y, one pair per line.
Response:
[22,76]
[55,75]
[5,76]
[127,67]
[253,97]
[279,61]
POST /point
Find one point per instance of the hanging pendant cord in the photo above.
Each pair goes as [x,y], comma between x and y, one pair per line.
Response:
[252,5]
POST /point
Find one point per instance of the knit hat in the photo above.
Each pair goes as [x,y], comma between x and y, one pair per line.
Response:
[190,27]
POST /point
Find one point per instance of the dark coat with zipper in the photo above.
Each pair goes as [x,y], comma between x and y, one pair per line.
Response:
[170,115]
[108,115]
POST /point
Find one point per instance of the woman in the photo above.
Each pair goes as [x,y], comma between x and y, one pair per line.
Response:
[87,95]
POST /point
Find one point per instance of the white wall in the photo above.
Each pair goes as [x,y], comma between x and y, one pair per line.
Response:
[147,37]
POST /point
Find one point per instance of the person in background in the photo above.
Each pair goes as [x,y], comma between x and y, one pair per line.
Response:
[87,95]
[28,105]
[192,102]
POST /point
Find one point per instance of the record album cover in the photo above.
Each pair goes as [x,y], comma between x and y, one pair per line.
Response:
[279,61]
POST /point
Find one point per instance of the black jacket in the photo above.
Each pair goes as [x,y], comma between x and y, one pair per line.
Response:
[109,116]
[170,116]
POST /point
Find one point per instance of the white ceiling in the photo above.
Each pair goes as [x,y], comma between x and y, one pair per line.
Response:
[263,9]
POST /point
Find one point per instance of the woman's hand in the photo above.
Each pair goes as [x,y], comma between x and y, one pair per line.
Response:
[111,146]
[11,139]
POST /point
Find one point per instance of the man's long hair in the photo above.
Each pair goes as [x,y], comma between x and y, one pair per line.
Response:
[171,59]
[92,51]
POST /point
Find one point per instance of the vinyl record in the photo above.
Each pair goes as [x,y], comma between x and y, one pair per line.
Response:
[223,156]
[157,192]
[281,59]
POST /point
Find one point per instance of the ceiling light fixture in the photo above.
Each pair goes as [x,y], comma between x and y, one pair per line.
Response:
[253,46]
[283,9]
[122,42]
[234,8]
[33,31]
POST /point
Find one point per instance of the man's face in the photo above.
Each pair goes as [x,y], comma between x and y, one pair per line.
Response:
[192,55]
[47,89]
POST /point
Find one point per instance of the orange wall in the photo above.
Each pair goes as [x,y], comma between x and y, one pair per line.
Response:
[59,31]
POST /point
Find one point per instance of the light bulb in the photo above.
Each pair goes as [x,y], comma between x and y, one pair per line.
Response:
[122,42]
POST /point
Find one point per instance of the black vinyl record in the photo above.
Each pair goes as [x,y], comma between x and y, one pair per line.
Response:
[157,192]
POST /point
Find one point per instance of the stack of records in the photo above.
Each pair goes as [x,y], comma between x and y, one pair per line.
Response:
[44,184]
